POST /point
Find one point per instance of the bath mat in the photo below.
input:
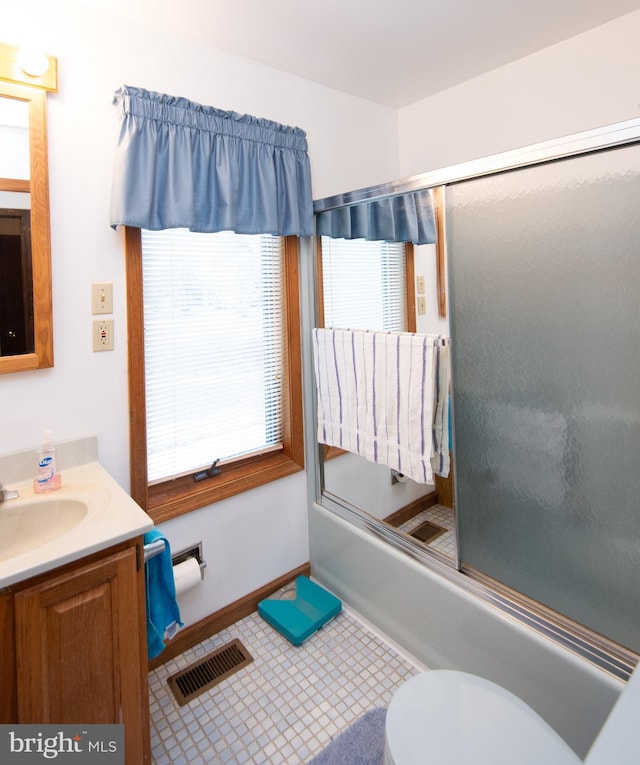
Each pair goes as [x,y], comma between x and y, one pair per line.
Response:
[427,532]
[361,744]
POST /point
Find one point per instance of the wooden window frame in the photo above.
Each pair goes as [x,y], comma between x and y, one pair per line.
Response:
[175,497]
[441,250]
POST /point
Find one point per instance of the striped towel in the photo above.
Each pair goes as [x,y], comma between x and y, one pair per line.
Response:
[378,394]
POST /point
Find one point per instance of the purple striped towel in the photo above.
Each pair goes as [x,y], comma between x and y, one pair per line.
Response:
[383,395]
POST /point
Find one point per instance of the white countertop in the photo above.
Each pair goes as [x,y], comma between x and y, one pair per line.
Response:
[112,517]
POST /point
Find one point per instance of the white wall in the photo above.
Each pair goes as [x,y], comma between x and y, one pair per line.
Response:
[592,79]
[253,538]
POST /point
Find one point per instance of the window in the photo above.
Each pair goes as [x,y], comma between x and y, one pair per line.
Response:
[220,374]
[367,285]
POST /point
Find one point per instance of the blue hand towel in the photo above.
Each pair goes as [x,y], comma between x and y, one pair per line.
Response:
[162,606]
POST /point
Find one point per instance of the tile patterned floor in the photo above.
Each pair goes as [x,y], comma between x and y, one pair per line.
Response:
[285,706]
[442,516]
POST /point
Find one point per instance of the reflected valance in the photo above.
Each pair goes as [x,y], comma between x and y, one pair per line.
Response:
[183,165]
[402,218]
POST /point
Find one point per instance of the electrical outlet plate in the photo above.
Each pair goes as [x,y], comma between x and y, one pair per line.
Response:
[103,335]
[102,298]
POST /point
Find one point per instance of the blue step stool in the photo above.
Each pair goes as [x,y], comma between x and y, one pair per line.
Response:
[300,616]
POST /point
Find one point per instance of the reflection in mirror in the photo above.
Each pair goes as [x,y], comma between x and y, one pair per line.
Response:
[26,323]
[16,279]
[383,286]
[14,139]
[421,511]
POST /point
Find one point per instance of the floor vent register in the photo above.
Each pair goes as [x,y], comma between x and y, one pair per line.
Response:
[205,673]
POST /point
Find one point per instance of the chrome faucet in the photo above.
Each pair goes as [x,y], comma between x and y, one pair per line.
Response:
[6,494]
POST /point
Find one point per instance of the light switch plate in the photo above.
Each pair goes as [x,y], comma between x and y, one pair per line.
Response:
[102,298]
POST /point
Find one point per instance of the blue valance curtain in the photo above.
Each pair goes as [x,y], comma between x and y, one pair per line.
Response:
[403,218]
[183,165]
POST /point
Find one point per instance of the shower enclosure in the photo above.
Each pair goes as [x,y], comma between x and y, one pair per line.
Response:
[544,289]
[543,255]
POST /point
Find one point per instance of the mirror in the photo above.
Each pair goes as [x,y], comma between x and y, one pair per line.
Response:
[26,321]
[382,286]
[16,293]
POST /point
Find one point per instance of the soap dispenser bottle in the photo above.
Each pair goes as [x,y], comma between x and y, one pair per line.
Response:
[48,478]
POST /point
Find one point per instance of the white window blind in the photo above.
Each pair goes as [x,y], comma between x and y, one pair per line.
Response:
[213,319]
[364,284]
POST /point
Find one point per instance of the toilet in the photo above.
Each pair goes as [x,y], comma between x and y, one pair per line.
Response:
[445,716]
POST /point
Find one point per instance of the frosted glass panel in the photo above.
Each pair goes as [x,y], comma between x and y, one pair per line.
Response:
[545,322]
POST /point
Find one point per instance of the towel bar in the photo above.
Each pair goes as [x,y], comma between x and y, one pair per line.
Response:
[153,549]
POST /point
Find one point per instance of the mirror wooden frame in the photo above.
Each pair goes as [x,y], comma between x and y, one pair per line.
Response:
[33,90]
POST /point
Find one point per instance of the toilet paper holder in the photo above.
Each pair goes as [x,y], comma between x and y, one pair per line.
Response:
[195,551]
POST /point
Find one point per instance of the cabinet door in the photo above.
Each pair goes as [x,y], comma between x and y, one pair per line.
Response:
[8,696]
[78,649]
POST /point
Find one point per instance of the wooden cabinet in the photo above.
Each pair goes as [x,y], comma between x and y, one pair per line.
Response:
[79,647]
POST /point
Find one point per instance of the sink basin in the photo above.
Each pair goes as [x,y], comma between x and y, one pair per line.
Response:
[30,524]
[40,533]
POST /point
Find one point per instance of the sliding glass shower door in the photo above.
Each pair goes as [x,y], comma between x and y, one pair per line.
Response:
[544,270]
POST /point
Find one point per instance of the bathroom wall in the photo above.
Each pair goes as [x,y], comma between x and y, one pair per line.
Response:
[253,538]
[588,81]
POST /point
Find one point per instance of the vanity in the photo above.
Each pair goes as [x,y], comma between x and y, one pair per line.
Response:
[72,604]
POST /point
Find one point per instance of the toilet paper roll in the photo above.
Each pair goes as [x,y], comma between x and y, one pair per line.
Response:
[186,575]
[401,478]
